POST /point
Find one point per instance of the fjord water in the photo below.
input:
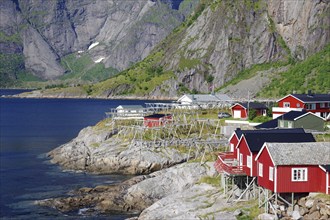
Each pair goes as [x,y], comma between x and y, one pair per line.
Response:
[29,128]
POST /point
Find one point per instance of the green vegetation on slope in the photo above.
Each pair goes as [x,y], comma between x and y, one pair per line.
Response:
[251,72]
[310,74]
[82,68]
[141,78]
[12,72]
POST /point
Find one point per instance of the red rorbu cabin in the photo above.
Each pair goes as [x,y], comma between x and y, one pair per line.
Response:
[241,110]
[156,120]
[228,161]
[294,167]
[315,103]
[250,145]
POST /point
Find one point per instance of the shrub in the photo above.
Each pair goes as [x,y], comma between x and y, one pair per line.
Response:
[252,114]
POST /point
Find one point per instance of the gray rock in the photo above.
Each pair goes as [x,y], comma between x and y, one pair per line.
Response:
[309,203]
[303,211]
[192,203]
[313,215]
[165,183]
[266,216]
[325,210]
[295,215]
[289,210]
[94,150]
[237,212]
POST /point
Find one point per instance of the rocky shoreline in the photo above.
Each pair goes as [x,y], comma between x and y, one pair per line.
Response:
[168,182]
[174,193]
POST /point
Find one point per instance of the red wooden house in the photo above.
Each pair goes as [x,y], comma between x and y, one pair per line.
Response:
[294,167]
[316,103]
[241,110]
[229,161]
[156,120]
[250,145]
[237,134]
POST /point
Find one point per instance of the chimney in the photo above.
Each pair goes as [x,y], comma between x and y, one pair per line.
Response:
[310,94]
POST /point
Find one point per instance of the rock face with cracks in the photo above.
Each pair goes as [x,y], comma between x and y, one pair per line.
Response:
[96,151]
[170,193]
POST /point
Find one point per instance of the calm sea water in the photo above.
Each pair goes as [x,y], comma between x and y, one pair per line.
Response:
[29,128]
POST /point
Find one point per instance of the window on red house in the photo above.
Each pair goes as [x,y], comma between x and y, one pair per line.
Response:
[299,174]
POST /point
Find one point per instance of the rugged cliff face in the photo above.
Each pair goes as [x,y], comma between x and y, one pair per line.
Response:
[211,47]
[303,25]
[113,32]
[230,36]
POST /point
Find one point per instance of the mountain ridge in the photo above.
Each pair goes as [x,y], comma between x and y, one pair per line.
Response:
[220,41]
[121,32]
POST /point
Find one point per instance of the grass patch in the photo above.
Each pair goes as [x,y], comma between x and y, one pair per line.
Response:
[323,196]
[185,63]
[214,181]
[250,209]
[83,68]
[323,137]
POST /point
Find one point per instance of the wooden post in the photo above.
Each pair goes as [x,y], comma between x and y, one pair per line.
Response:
[266,204]
[292,199]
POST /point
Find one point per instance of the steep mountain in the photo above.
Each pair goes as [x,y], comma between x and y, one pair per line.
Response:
[50,38]
[223,40]
[220,44]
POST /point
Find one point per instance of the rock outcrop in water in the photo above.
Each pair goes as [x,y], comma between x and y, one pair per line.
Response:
[95,151]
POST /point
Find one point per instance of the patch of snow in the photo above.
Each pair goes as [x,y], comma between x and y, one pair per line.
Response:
[99,60]
[93,45]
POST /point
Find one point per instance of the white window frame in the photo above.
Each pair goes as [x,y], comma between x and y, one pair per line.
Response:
[322,105]
[286,104]
[299,174]
[271,173]
[260,169]
[311,106]
[249,161]
[241,159]
[232,147]
[290,124]
[281,123]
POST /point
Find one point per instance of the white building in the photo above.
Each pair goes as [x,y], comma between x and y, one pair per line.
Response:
[204,101]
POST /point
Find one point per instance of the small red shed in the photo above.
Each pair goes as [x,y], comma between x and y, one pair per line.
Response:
[294,167]
[241,110]
[156,120]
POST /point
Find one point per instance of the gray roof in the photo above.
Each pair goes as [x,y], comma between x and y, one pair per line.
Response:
[223,97]
[313,153]
[209,97]
[131,106]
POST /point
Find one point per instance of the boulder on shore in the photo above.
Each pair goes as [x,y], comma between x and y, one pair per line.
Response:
[170,193]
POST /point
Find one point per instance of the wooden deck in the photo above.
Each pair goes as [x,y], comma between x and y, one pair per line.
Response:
[228,164]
